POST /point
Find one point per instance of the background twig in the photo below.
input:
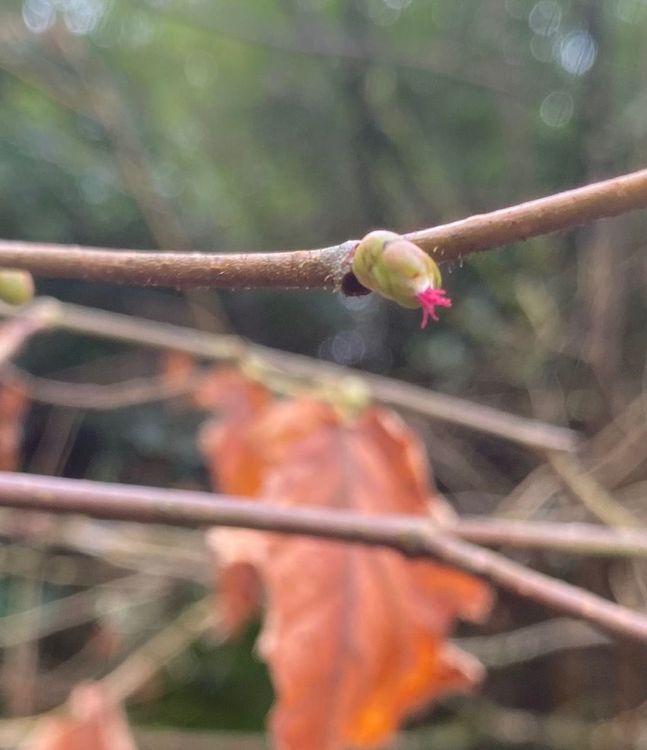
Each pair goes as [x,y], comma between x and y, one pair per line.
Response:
[530,432]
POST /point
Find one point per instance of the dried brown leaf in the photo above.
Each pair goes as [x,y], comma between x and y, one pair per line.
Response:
[355,638]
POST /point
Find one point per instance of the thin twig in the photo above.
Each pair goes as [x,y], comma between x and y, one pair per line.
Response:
[571,538]
[69,611]
[327,41]
[415,537]
[27,321]
[532,642]
[529,432]
[138,668]
[609,457]
[594,496]
[325,268]
[100,397]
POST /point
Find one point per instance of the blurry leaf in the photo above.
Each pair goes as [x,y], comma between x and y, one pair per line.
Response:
[232,455]
[240,448]
[94,722]
[239,555]
[14,403]
[355,638]
[176,367]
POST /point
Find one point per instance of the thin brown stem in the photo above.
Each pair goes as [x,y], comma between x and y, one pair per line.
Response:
[296,269]
[529,432]
[325,268]
[415,537]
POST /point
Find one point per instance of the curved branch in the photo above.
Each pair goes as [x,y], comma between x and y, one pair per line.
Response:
[325,268]
[413,536]
[85,320]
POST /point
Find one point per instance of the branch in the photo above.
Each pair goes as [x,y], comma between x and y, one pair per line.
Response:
[594,496]
[415,537]
[296,269]
[325,268]
[42,620]
[99,397]
[146,661]
[531,642]
[28,321]
[75,319]
[542,216]
[570,538]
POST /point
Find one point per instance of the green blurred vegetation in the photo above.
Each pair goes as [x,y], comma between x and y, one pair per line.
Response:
[275,124]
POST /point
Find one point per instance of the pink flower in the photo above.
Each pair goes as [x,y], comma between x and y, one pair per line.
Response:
[430,299]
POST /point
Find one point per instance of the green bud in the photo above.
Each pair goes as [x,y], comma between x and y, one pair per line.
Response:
[16,287]
[395,268]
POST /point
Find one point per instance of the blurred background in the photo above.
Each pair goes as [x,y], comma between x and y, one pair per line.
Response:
[278,124]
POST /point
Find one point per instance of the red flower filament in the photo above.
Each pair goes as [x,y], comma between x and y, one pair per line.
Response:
[430,299]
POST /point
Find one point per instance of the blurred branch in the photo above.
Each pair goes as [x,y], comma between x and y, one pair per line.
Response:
[572,538]
[532,642]
[85,85]
[136,669]
[21,657]
[609,457]
[83,320]
[107,550]
[144,663]
[28,320]
[122,395]
[39,621]
[413,536]
[325,268]
[327,41]
[593,495]
[559,731]
[99,92]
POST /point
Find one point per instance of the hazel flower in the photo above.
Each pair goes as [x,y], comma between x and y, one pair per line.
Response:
[390,265]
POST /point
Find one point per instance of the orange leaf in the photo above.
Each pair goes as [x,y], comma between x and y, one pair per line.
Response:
[231,452]
[94,722]
[229,392]
[355,638]
[14,403]
[240,449]
[239,555]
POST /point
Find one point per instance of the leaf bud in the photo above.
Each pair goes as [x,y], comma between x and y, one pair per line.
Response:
[395,268]
[16,287]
